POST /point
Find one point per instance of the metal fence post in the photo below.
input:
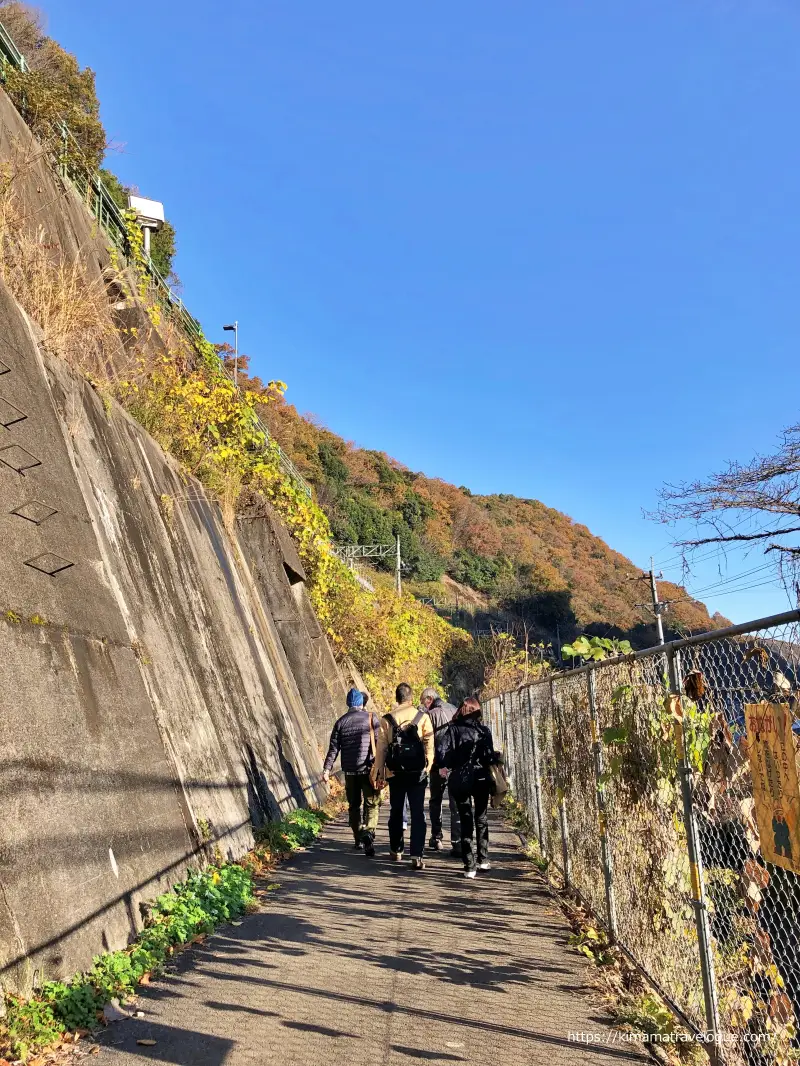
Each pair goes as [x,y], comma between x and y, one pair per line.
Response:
[602,821]
[504,736]
[562,803]
[537,778]
[696,870]
[510,741]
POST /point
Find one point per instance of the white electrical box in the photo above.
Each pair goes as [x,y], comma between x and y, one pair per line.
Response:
[149,212]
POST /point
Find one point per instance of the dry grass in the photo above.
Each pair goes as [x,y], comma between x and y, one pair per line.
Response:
[229,497]
[171,334]
[70,303]
[69,306]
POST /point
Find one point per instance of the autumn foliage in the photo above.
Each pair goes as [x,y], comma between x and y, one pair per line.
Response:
[520,555]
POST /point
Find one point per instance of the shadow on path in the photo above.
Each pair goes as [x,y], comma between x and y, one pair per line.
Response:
[370,962]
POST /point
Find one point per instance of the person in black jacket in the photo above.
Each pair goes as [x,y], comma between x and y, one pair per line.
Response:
[467,750]
[441,715]
[354,735]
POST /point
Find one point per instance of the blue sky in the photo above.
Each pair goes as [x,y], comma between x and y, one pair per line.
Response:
[549,249]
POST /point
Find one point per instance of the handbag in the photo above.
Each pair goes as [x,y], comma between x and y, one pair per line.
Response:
[498,784]
[378,783]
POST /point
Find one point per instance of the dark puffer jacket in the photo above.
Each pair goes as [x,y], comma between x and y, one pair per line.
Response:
[466,748]
[350,736]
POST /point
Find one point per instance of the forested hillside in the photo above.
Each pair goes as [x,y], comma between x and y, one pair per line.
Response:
[528,561]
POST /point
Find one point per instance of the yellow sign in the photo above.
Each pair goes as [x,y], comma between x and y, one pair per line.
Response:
[771,750]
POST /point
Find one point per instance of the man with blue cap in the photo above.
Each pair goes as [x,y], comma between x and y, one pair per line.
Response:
[354,736]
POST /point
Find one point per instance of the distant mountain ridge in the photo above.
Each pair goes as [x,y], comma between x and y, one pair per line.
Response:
[527,561]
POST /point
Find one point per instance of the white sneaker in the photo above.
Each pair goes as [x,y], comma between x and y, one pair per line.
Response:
[471,874]
[484,866]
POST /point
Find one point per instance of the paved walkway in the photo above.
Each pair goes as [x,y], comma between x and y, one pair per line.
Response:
[359,961]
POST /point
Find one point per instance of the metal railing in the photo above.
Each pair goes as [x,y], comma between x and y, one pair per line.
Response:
[9,53]
[648,780]
[105,210]
[287,465]
[103,207]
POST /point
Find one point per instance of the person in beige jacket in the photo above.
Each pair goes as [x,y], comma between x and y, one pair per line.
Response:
[404,757]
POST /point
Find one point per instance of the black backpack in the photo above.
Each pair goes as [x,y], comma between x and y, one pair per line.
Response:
[406,754]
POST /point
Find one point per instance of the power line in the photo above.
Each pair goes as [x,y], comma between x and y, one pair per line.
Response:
[711,554]
[730,592]
[730,580]
[759,528]
[749,516]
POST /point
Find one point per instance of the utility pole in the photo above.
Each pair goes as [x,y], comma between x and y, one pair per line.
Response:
[397,575]
[656,606]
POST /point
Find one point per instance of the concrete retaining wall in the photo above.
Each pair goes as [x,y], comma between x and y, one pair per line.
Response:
[164,684]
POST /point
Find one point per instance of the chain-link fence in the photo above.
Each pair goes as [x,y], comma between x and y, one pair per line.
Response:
[663,788]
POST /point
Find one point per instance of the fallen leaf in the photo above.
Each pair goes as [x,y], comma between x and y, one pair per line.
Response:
[271,888]
[146,1043]
[95,1049]
[144,979]
[453,1045]
[237,923]
[199,939]
[38,1061]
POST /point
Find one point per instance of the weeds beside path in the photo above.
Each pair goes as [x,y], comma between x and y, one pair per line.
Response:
[64,1010]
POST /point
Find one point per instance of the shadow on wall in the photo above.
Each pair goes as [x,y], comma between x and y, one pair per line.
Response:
[260,797]
[261,800]
[298,793]
[263,807]
[548,612]
[154,883]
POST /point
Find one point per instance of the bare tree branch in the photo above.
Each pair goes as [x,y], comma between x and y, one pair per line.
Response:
[740,537]
[767,487]
[782,548]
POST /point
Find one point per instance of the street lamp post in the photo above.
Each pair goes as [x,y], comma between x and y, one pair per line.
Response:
[235,330]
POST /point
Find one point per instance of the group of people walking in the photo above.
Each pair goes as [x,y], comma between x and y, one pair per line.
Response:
[413,747]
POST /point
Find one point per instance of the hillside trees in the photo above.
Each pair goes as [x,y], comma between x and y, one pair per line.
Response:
[523,557]
[55,89]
